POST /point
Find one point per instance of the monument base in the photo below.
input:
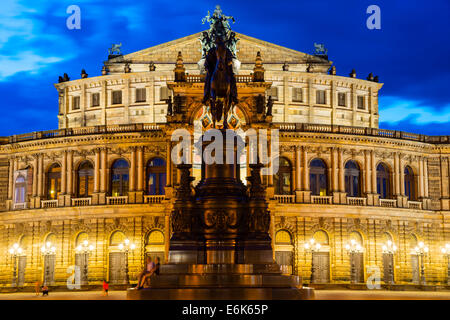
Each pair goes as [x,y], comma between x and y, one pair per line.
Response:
[222,282]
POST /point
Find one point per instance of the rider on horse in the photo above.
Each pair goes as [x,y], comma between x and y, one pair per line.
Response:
[210,66]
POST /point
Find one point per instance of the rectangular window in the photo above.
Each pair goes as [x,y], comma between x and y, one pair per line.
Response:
[95,99]
[361,102]
[163,93]
[321,97]
[273,92]
[341,99]
[297,95]
[76,103]
[141,95]
[117,97]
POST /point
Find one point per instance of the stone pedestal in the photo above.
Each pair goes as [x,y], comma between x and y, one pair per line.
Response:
[220,247]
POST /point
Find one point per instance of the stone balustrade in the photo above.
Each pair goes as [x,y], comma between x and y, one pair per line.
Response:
[81,202]
[49,204]
[154,199]
[322,199]
[117,200]
[388,203]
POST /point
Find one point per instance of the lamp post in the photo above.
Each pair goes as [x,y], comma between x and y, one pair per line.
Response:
[125,247]
[389,249]
[85,248]
[353,248]
[421,250]
[312,246]
[446,252]
[15,251]
[47,250]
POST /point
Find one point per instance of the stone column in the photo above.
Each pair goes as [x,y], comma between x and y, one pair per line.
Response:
[306,187]
[340,196]
[169,177]
[35,174]
[61,198]
[64,173]
[95,195]
[368,177]
[373,163]
[166,237]
[421,180]
[131,187]
[140,175]
[70,190]
[41,175]
[298,178]
[103,176]
[11,178]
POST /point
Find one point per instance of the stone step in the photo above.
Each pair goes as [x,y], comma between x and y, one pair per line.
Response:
[223,280]
[219,269]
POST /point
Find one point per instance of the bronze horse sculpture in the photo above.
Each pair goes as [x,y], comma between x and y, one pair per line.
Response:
[220,83]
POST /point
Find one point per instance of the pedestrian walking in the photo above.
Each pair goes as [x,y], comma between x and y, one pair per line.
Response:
[44,290]
[105,288]
[37,287]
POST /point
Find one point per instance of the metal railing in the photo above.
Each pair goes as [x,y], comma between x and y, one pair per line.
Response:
[322,199]
[49,204]
[81,202]
[154,199]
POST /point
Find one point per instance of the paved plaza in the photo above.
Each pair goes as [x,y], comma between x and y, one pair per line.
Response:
[320,295]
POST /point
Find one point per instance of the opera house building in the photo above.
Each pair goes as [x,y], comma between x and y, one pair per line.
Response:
[350,201]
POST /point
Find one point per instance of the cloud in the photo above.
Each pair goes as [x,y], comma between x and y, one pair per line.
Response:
[397,109]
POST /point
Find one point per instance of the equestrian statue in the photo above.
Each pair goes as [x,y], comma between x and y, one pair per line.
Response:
[220,91]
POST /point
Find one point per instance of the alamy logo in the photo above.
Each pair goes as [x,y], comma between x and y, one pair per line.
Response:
[74,280]
[373,278]
[74,20]
[262,147]
[374,20]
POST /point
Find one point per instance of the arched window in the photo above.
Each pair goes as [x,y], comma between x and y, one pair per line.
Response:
[409,183]
[321,237]
[20,189]
[156,176]
[119,178]
[81,237]
[85,179]
[352,179]
[284,251]
[117,238]
[54,182]
[318,177]
[155,245]
[383,181]
[282,180]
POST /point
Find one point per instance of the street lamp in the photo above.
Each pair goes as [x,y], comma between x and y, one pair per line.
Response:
[125,247]
[389,249]
[47,250]
[446,252]
[312,246]
[15,251]
[421,250]
[85,248]
[353,248]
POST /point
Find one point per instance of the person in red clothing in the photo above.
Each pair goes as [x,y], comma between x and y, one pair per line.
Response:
[105,288]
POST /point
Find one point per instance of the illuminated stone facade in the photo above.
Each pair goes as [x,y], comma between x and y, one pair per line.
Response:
[103,175]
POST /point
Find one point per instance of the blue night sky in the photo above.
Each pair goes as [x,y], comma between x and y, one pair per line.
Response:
[410,53]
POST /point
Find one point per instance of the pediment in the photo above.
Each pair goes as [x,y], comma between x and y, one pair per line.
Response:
[190,48]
